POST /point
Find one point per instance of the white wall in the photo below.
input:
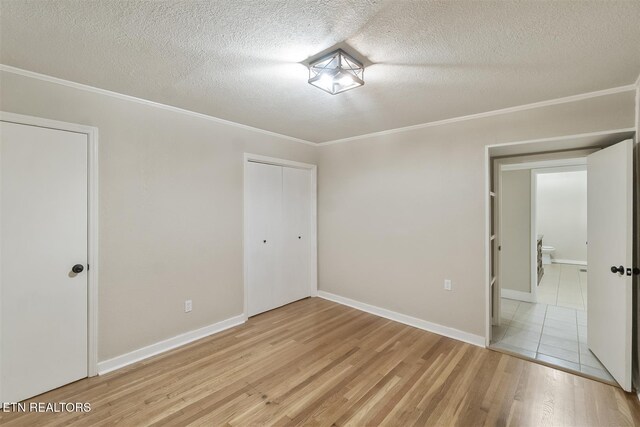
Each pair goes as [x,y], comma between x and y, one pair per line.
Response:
[400,212]
[170,209]
[561,213]
[515,230]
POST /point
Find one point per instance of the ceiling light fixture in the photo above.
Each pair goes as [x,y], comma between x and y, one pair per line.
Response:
[336,72]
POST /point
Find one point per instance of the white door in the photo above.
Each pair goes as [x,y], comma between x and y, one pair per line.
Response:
[296,239]
[610,235]
[43,308]
[278,236]
[264,234]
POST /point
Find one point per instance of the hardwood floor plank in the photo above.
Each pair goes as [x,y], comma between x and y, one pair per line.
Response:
[317,363]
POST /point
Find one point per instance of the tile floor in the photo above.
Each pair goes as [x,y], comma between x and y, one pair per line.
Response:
[555,329]
[564,285]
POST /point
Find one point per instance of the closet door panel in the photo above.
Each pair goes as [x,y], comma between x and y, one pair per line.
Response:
[264,236]
[296,242]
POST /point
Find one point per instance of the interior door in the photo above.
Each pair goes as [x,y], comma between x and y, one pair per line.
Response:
[296,241]
[43,308]
[610,237]
[264,233]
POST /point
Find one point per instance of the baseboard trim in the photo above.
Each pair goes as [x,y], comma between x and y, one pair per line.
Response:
[568,261]
[166,345]
[407,320]
[517,295]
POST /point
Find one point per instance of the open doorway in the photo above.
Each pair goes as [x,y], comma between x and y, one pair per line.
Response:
[543,262]
[559,222]
[542,304]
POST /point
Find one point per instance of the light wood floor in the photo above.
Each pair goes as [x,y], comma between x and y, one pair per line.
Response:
[319,363]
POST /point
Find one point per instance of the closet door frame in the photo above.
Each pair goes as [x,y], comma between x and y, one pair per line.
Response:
[313,253]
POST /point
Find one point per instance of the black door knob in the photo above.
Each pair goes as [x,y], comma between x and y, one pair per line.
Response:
[619,270]
[78,268]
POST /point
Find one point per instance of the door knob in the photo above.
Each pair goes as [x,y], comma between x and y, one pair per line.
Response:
[619,270]
[78,268]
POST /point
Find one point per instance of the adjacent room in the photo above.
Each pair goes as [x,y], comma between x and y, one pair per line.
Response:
[543,264]
[356,212]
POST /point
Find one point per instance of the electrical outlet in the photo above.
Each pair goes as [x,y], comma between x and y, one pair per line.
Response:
[447,284]
[188,306]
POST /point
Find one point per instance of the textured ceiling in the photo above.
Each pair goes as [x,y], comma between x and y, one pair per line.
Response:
[240,60]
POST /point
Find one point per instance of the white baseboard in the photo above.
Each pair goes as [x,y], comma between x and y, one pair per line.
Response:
[407,320]
[168,344]
[517,295]
[568,261]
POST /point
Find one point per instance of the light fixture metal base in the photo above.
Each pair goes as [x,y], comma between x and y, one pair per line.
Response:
[336,72]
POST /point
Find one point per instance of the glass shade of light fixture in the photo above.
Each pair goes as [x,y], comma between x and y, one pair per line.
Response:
[336,72]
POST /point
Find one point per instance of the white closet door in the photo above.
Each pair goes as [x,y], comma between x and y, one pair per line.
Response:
[264,234]
[296,239]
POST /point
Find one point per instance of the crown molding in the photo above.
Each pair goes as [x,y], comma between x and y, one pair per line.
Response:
[564,100]
[56,80]
[524,107]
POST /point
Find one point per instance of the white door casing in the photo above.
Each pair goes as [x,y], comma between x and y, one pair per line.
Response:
[610,240]
[44,308]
